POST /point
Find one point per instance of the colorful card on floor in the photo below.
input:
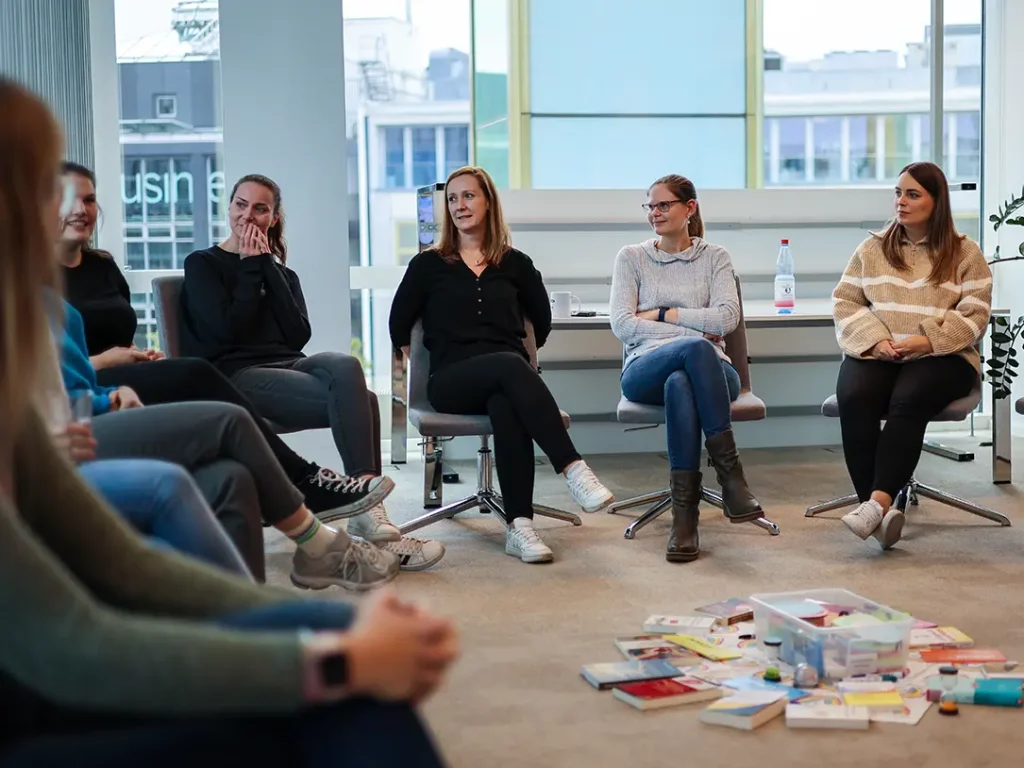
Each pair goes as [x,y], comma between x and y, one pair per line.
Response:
[939,637]
[913,710]
[604,676]
[654,647]
[671,692]
[671,625]
[705,648]
[729,611]
[827,716]
[720,671]
[745,710]
[760,684]
[963,656]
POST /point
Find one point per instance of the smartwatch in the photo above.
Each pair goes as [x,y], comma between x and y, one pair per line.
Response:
[661,314]
[334,670]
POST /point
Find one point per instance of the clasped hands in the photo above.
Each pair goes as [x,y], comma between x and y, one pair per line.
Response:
[910,348]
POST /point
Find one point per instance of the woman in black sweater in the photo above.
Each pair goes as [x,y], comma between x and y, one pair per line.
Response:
[243,310]
[472,294]
[96,288]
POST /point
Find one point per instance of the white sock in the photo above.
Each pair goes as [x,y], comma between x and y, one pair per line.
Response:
[312,537]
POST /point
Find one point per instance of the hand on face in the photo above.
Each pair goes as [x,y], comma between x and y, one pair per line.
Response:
[253,242]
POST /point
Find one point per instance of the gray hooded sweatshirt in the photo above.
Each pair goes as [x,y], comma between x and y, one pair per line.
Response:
[698,283]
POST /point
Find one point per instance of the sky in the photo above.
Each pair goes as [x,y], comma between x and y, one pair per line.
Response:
[799,29]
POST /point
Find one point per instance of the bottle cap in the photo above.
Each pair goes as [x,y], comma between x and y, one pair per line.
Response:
[772,642]
[948,671]
[785,241]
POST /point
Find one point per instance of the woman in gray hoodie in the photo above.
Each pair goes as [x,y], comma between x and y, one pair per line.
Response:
[673,302]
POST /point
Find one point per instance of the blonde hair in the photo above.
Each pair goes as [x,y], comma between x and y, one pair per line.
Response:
[31,145]
[497,239]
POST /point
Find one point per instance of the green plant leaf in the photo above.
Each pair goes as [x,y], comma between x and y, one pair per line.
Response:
[1001,338]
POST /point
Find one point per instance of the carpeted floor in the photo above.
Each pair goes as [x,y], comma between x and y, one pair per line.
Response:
[515,698]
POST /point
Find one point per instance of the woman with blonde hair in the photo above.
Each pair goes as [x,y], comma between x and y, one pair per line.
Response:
[474,293]
[115,653]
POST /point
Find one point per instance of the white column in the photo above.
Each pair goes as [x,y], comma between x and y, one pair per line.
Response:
[439,158]
[1004,147]
[844,149]
[880,148]
[915,137]
[283,96]
[809,149]
[407,160]
[106,112]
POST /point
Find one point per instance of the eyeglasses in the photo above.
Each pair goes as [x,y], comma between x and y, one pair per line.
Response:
[661,207]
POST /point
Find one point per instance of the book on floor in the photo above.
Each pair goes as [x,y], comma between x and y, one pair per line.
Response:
[963,656]
[704,647]
[939,637]
[827,716]
[670,625]
[654,647]
[729,611]
[875,696]
[911,714]
[745,710]
[671,692]
[610,675]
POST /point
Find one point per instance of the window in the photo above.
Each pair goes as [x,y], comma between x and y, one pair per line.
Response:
[456,148]
[966,161]
[171,180]
[394,158]
[849,103]
[406,241]
[603,115]
[166,106]
[491,56]
[424,156]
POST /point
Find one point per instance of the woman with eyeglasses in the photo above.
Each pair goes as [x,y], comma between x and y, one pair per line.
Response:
[673,301]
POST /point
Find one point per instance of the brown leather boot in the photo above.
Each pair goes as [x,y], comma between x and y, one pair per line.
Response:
[740,504]
[684,541]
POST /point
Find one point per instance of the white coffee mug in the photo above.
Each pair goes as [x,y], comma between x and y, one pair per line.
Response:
[562,304]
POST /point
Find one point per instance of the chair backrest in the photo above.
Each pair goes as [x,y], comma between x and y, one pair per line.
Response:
[167,303]
[735,346]
[419,364]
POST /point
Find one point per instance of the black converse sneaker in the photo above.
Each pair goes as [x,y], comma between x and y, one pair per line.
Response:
[331,496]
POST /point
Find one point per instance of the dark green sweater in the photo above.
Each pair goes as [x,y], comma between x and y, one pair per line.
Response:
[93,618]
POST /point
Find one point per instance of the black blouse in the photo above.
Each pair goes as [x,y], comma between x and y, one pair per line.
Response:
[98,290]
[464,315]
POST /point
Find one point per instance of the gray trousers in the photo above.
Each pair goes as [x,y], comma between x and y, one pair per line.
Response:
[327,389]
[224,452]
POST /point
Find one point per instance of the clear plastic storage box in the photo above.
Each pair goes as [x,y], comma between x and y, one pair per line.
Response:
[841,634]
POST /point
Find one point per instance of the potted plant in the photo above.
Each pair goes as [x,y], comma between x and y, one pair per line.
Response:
[1002,361]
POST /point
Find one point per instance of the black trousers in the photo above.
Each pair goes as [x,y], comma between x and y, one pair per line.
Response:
[907,395]
[188,379]
[506,387]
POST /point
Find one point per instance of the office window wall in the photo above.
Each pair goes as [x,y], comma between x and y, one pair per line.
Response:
[619,94]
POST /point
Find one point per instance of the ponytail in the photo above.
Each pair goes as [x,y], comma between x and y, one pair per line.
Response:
[696,227]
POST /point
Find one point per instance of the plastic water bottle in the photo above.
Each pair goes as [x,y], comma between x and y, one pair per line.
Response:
[785,281]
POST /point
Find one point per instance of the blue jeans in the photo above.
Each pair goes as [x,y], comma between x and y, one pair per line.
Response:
[357,733]
[694,384]
[160,501]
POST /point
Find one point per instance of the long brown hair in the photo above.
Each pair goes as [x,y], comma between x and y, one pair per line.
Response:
[275,235]
[68,168]
[943,240]
[31,145]
[497,239]
[683,189]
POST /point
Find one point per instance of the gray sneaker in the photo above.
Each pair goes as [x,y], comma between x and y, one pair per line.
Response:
[350,563]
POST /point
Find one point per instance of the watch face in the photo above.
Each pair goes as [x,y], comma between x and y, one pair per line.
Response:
[334,669]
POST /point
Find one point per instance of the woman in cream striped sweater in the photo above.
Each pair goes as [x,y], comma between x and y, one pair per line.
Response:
[910,308]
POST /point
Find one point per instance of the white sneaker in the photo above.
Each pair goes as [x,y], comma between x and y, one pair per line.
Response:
[889,530]
[373,525]
[864,519]
[415,554]
[586,489]
[522,541]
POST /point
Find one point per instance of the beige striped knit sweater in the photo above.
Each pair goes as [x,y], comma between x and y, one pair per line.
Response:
[874,302]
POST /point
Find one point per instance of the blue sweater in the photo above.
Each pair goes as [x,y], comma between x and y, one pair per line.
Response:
[76,368]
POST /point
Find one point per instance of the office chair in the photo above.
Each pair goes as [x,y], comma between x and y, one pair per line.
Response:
[436,428]
[958,410]
[747,407]
[167,306]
